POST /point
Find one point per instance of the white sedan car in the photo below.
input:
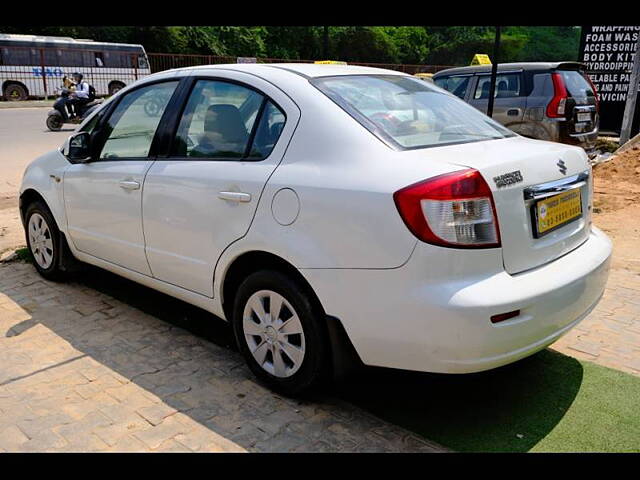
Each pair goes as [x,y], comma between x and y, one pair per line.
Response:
[327,211]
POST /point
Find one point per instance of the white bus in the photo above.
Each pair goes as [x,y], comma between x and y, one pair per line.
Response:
[34,66]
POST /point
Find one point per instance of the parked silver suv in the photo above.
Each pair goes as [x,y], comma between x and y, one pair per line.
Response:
[542,100]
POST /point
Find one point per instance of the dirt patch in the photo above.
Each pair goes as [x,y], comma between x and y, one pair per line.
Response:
[616,206]
[617,182]
[11,232]
[8,201]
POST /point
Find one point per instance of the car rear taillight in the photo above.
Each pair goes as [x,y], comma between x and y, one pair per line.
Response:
[595,92]
[452,210]
[557,105]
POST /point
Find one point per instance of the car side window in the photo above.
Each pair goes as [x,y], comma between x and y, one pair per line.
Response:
[131,127]
[456,85]
[218,121]
[268,131]
[507,85]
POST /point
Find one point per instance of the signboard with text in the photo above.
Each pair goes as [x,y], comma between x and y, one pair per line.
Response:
[608,53]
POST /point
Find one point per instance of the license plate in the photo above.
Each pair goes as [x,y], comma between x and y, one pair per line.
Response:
[558,210]
[584,117]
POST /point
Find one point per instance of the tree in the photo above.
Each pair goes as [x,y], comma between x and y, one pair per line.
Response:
[363,44]
[454,45]
[411,44]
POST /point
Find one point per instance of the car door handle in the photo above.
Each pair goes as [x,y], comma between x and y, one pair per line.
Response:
[129,184]
[235,196]
[513,112]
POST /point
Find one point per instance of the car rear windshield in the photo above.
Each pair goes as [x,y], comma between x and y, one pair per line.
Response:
[576,84]
[407,112]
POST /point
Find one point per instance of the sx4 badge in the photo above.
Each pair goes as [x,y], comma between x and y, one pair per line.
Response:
[508,179]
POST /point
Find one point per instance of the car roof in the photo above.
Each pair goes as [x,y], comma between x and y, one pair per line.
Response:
[308,70]
[534,66]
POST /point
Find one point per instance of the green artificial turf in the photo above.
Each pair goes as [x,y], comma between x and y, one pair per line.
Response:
[546,403]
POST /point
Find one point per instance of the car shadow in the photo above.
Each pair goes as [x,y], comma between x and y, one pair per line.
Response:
[507,409]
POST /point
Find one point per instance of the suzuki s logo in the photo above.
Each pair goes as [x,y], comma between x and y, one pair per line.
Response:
[562,167]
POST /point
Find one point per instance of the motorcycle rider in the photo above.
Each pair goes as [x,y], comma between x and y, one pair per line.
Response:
[78,98]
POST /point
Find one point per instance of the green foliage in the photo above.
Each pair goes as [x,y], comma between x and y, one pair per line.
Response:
[363,44]
[549,43]
[24,255]
[453,45]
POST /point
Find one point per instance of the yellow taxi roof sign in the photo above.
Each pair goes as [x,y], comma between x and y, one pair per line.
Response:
[481,59]
[330,62]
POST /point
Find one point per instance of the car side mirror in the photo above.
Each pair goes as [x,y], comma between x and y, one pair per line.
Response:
[77,148]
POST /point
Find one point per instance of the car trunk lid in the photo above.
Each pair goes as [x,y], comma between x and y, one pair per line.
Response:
[522,172]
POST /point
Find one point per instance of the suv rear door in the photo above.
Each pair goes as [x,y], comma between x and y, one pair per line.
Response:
[509,101]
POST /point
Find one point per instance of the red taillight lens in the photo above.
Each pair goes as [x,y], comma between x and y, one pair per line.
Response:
[556,106]
[451,210]
[595,92]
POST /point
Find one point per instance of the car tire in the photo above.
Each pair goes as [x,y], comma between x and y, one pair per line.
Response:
[15,92]
[289,353]
[51,255]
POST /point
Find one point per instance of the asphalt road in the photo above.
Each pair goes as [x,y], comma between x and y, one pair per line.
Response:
[23,137]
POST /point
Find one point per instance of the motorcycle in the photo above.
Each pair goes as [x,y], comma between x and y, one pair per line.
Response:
[58,116]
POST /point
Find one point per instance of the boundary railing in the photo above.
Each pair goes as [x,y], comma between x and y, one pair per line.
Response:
[36,72]
[167,61]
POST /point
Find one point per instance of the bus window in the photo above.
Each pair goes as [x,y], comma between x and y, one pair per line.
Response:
[71,58]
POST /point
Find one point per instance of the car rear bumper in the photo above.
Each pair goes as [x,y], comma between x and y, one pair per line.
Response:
[433,314]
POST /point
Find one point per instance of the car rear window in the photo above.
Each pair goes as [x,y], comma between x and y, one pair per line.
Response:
[576,84]
[408,113]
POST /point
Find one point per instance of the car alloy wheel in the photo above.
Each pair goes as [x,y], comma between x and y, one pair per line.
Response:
[274,333]
[40,241]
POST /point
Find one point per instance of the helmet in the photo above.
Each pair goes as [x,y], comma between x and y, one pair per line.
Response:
[77,75]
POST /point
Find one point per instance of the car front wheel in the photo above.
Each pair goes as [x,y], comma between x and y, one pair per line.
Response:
[280,332]
[44,242]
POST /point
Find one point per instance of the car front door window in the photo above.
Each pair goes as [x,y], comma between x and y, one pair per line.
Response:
[134,121]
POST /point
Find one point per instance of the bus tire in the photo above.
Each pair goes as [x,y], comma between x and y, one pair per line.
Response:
[15,92]
[114,87]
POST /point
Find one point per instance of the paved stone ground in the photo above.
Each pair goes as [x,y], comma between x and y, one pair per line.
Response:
[81,371]
[610,335]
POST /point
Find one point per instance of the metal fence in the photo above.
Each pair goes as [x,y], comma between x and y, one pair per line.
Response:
[166,61]
[32,72]
[38,72]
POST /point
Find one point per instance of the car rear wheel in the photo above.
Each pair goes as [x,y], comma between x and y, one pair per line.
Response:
[280,332]
[45,242]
